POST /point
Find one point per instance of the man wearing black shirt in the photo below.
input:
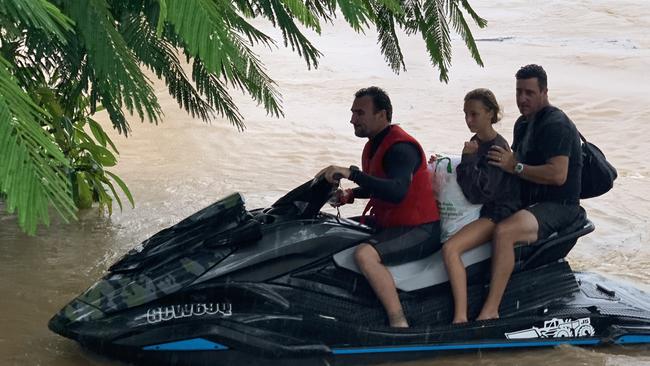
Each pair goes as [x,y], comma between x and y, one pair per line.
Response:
[402,206]
[546,155]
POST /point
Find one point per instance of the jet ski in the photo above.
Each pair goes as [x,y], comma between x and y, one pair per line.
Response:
[229,285]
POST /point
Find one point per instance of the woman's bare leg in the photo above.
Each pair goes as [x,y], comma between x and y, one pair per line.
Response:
[470,236]
[520,227]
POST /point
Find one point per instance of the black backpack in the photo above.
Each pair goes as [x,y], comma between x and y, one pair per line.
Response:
[598,174]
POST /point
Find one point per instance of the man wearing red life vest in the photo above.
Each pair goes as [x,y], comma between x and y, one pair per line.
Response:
[402,206]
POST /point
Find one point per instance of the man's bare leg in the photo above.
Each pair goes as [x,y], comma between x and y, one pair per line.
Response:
[382,283]
[470,236]
[520,227]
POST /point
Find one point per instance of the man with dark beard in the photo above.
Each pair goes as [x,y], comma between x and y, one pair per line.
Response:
[402,206]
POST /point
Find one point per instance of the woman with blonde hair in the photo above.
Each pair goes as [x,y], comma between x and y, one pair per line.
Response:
[481,183]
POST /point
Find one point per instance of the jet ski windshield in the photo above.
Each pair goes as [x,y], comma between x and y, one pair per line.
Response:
[224,221]
[305,201]
[174,257]
[202,227]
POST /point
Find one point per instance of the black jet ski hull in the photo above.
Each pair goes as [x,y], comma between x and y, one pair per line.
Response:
[590,311]
[231,286]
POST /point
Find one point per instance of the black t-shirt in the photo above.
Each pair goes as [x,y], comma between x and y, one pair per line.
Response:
[487,184]
[553,134]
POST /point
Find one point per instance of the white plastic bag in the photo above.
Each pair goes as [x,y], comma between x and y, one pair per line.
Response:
[455,210]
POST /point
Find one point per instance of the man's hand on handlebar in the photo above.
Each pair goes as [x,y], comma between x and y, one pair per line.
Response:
[333,173]
[341,197]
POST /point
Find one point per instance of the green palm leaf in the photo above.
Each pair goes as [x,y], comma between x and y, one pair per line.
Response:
[39,14]
[116,73]
[239,24]
[160,56]
[324,10]
[357,13]
[393,6]
[482,23]
[201,26]
[388,41]
[462,28]
[216,93]
[88,55]
[300,11]
[32,168]
[430,20]
[124,188]
[292,35]
[221,53]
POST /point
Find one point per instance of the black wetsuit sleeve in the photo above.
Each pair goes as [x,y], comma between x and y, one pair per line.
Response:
[360,192]
[480,182]
[400,163]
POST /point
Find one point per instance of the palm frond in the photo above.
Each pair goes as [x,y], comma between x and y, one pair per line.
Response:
[32,168]
[224,54]
[432,23]
[482,23]
[281,14]
[292,35]
[35,52]
[324,10]
[162,17]
[388,41]
[262,8]
[114,65]
[239,24]
[462,28]
[249,76]
[204,33]
[160,57]
[245,7]
[203,30]
[300,11]
[260,86]
[357,13]
[392,6]
[216,93]
[38,14]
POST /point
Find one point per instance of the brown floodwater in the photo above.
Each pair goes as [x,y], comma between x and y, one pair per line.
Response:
[597,55]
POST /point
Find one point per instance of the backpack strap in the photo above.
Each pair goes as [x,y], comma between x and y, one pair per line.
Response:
[581,137]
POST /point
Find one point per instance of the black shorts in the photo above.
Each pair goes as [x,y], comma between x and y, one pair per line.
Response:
[553,217]
[497,212]
[402,244]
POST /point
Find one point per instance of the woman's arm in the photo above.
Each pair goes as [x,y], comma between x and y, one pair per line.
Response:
[479,182]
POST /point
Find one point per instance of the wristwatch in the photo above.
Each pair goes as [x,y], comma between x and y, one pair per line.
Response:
[519,167]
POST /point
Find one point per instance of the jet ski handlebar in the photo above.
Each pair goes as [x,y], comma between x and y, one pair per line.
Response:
[305,201]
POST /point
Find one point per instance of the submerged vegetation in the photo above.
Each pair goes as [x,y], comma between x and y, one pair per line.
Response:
[62,61]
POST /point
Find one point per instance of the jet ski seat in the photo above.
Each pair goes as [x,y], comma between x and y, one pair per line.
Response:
[431,271]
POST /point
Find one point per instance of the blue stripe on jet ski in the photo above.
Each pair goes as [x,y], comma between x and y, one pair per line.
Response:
[633,338]
[195,344]
[443,347]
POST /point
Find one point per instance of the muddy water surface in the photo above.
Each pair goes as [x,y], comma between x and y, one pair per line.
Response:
[597,55]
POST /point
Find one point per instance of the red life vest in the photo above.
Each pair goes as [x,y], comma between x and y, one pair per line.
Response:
[419,205]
